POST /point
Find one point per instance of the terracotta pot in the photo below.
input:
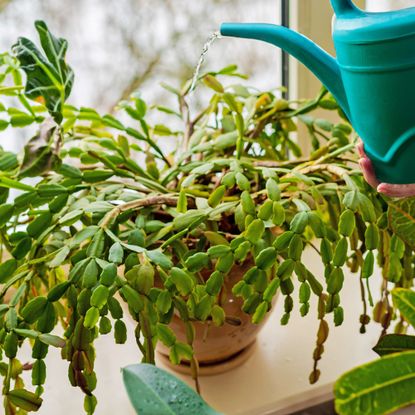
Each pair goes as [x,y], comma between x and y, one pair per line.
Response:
[220,348]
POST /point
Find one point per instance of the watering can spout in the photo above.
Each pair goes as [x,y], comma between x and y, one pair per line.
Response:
[323,65]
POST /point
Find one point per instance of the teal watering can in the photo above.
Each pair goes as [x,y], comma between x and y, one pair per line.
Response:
[372,78]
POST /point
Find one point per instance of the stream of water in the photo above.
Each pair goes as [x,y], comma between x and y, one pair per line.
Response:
[206,47]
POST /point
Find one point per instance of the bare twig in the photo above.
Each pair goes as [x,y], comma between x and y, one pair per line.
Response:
[4,4]
[137,81]
[140,203]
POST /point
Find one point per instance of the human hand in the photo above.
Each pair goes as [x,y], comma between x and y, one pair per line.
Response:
[392,190]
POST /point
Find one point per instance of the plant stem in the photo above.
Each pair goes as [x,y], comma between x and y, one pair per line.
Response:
[363,297]
[13,281]
[7,379]
[137,204]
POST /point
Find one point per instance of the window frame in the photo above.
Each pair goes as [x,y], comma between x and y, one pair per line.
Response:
[314,22]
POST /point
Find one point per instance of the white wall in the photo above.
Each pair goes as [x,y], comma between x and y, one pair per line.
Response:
[383,5]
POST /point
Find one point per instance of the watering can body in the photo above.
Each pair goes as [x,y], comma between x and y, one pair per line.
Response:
[372,78]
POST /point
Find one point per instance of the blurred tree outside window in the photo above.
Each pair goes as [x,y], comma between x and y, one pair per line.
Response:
[117,47]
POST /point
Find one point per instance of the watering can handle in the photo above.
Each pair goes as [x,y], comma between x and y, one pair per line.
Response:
[343,6]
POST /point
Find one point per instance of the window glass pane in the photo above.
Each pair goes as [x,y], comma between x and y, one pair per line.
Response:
[383,5]
[117,46]
[120,46]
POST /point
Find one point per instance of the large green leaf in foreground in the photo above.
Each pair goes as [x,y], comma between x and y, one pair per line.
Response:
[401,215]
[404,300]
[153,391]
[394,343]
[377,388]
[48,76]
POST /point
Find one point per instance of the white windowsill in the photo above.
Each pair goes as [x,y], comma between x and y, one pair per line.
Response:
[273,379]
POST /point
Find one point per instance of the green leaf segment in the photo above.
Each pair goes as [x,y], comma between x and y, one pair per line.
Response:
[49,78]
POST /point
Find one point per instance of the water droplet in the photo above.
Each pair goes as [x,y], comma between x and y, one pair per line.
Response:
[206,47]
